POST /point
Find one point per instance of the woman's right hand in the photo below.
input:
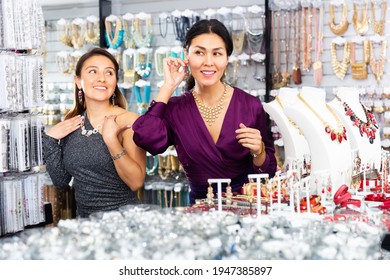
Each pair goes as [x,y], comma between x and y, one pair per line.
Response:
[65,127]
[175,71]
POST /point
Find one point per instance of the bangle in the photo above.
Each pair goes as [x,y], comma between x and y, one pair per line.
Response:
[262,150]
[119,155]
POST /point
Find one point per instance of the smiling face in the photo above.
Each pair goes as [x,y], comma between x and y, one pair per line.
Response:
[97,78]
[208,59]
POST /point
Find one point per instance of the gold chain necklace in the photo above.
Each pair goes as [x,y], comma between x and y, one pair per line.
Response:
[340,67]
[307,38]
[291,121]
[379,27]
[361,26]
[209,114]
[341,27]
[378,65]
[340,133]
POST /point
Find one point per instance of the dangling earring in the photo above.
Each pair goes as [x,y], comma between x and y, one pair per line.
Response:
[80,96]
[113,99]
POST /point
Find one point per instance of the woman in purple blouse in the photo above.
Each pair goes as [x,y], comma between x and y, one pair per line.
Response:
[219,131]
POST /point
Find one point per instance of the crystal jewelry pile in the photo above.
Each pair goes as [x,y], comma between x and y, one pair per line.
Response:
[147,232]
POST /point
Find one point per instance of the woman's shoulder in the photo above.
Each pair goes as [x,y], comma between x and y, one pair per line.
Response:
[124,116]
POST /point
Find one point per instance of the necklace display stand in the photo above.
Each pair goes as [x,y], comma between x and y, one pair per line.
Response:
[295,144]
[370,153]
[326,155]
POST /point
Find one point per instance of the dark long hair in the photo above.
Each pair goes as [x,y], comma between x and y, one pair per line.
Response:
[79,107]
[207,26]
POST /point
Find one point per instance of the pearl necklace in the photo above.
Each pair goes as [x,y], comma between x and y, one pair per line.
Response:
[209,114]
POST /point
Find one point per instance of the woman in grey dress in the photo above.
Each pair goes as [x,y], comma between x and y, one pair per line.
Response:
[94,145]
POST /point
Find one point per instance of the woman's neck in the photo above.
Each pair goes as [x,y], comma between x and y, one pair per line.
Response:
[210,94]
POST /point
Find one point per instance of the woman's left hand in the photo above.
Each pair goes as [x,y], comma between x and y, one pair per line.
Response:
[111,129]
[250,138]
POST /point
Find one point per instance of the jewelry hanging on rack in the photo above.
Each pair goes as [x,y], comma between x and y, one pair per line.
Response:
[65,38]
[238,31]
[62,62]
[224,15]
[159,55]
[143,63]
[338,134]
[255,22]
[318,49]
[359,70]
[379,26]
[296,71]
[378,65]
[114,39]
[342,26]
[163,24]
[128,30]
[143,100]
[369,127]
[92,34]
[340,68]
[231,72]
[276,75]
[78,33]
[128,63]
[361,26]
[286,40]
[307,37]
[143,31]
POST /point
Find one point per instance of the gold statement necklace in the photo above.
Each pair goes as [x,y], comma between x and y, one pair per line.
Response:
[340,68]
[379,26]
[209,114]
[338,134]
[361,26]
[342,26]
[359,70]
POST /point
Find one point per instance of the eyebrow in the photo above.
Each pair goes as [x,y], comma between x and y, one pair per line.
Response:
[215,49]
[92,66]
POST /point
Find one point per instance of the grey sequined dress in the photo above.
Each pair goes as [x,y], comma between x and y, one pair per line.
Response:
[97,184]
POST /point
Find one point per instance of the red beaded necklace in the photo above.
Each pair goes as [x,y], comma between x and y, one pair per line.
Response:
[368,128]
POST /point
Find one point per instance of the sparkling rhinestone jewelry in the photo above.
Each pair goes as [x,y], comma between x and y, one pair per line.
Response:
[209,114]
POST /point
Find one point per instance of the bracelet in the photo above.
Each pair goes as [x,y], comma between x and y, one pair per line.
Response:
[119,155]
[262,150]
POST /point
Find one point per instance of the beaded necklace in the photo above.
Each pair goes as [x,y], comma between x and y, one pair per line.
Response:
[368,128]
[143,64]
[142,34]
[209,114]
[128,67]
[340,133]
[116,39]
[129,30]
[142,99]
[92,34]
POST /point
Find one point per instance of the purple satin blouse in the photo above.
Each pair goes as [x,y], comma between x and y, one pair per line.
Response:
[179,123]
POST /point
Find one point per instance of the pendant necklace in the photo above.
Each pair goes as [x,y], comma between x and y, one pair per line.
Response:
[338,134]
[368,128]
[209,114]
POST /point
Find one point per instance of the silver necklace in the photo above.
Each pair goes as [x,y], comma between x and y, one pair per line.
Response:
[89,132]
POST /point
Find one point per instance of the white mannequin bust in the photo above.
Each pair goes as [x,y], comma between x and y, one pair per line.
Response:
[370,153]
[295,144]
[327,155]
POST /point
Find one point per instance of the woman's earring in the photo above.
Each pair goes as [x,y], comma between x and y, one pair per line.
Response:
[113,99]
[80,96]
